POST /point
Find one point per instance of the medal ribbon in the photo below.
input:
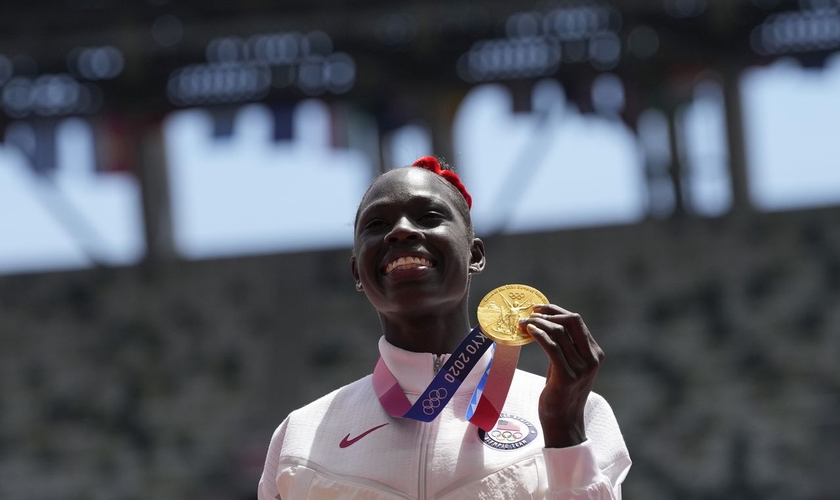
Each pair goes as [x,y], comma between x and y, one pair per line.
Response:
[487,399]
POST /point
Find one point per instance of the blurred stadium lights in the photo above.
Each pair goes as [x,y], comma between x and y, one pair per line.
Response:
[49,95]
[524,57]
[798,31]
[535,44]
[580,23]
[217,83]
[96,63]
[605,50]
[240,70]
[335,73]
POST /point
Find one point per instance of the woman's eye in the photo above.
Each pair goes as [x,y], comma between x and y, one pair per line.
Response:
[431,217]
[375,224]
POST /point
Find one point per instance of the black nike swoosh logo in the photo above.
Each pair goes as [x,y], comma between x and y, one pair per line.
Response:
[347,441]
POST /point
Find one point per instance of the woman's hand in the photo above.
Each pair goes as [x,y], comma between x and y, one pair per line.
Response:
[574,358]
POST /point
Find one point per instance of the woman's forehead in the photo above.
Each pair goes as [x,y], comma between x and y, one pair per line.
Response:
[409,183]
[411,186]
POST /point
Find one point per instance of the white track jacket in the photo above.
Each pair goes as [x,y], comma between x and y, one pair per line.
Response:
[344,446]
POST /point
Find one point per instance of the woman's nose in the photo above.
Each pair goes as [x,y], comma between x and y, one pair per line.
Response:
[402,230]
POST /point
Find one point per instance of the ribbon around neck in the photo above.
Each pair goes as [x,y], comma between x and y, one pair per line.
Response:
[487,400]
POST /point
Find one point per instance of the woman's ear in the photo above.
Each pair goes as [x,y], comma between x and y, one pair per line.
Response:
[477,258]
[355,270]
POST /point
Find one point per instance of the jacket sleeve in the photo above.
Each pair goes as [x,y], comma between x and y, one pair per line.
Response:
[595,468]
[573,473]
[267,489]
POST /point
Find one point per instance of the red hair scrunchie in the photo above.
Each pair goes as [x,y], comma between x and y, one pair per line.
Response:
[432,164]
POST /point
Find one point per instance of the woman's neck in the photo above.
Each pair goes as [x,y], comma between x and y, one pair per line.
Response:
[434,333]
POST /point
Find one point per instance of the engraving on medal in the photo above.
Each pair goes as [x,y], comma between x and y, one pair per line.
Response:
[500,310]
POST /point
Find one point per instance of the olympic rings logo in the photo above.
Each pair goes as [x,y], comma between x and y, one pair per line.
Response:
[509,433]
[433,401]
[506,436]
[517,295]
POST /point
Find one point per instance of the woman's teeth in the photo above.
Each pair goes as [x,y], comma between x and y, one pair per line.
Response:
[407,263]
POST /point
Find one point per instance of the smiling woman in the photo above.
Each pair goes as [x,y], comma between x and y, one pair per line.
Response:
[402,431]
[409,216]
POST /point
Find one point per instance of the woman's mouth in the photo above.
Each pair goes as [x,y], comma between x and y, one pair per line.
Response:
[403,263]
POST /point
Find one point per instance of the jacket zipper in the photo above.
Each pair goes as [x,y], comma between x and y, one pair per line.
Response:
[424,438]
[424,446]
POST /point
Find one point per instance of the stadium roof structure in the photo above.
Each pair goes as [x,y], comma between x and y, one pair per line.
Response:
[130,50]
[399,61]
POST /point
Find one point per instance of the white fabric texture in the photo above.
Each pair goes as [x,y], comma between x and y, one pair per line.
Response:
[344,446]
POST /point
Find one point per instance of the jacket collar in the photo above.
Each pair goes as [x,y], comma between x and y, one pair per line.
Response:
[415,370]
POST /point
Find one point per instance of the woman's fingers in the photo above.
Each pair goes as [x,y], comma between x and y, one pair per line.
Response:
[559,346]
[566,339]
[553,348]
[585,345]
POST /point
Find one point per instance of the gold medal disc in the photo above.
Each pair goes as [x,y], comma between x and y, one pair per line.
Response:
[500,310]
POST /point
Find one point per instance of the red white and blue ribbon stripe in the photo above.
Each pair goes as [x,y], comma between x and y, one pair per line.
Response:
[487,399]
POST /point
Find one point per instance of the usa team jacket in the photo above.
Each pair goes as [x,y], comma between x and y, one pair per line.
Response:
[344,446]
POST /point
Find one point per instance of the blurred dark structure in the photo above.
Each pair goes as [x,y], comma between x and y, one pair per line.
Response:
[121,383]
[400,63]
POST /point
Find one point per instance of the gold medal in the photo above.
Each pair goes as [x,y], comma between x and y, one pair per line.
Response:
[500,310]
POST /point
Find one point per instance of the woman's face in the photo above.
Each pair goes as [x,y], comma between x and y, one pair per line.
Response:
[413,247]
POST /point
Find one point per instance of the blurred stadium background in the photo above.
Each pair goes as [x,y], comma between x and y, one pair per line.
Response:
[178,180]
